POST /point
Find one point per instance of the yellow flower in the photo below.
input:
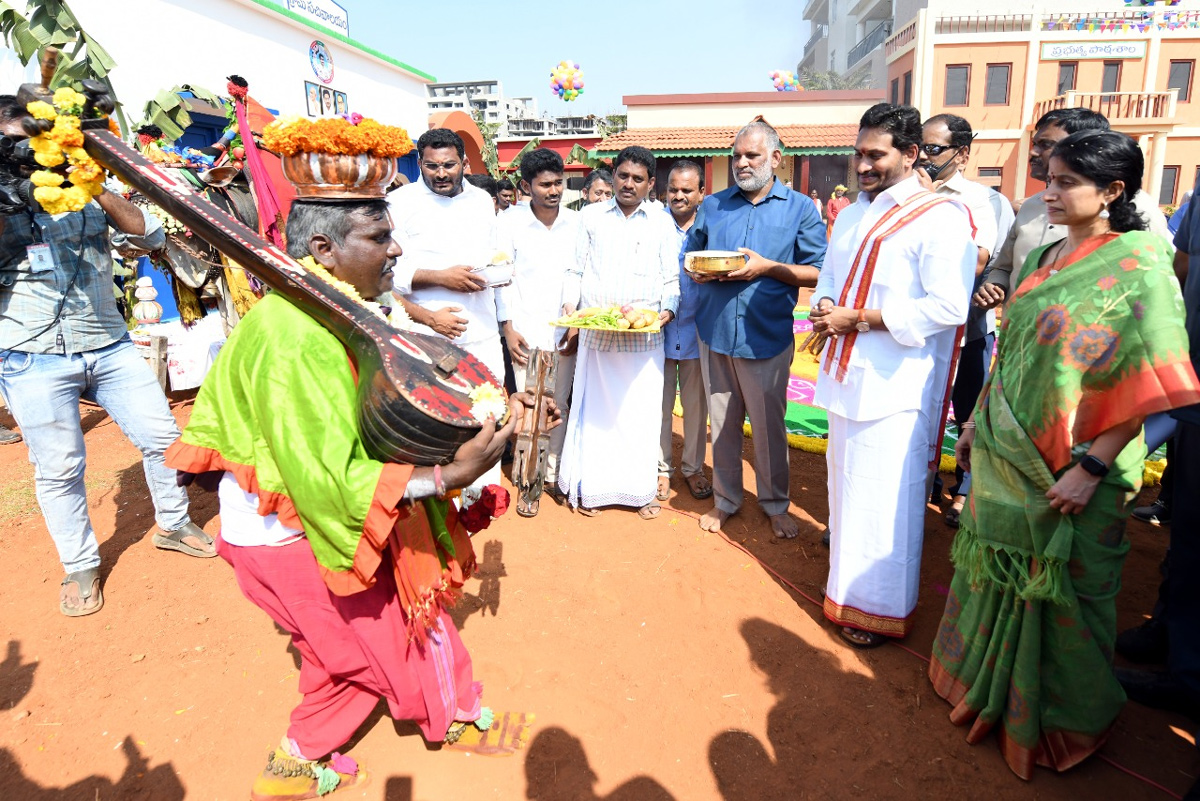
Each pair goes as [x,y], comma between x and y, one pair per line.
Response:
[48,158]
[87,172]
[50,198]
[77,155]
[41,110]
[93,188]
[46,178]
[77,196]
[66,97]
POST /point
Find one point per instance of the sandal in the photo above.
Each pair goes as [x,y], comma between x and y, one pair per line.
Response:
[173,541]
[89,579]
[699,486]
[664,488]
[862,640]
[588,512]
[650,511]
[528,508]
[291,778]
[953,514]
[494,734]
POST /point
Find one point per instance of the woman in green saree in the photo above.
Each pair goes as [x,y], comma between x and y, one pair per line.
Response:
[1092,342]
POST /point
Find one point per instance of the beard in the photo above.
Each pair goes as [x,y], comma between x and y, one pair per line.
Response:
[759,177]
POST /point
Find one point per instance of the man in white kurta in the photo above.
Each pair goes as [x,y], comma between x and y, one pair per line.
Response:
[894,290]
[540,237]
[444,236]
[627,252]
[445,227]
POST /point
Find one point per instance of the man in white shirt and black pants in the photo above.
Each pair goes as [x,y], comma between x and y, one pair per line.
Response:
[945,149]
[445,227]
[540,238]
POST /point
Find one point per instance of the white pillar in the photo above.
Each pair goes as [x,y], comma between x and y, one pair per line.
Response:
[1158,156]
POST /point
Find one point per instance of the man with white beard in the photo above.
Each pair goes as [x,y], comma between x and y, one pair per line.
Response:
[744,320]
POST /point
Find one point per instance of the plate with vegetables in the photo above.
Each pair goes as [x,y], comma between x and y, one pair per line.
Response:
[612,318]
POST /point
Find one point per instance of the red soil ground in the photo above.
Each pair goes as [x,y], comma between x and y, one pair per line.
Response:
[661,663]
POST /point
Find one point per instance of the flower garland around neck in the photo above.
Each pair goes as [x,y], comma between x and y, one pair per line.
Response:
[395,316]
[55,191]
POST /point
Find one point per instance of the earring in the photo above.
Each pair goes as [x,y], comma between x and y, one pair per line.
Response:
[1104,211]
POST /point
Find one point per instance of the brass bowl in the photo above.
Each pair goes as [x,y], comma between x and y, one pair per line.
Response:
[713,261]
[336,177]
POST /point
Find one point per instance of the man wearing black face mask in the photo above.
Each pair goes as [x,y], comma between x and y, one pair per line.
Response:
[945,148]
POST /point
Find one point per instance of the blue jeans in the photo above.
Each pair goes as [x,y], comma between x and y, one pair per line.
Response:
[43,392]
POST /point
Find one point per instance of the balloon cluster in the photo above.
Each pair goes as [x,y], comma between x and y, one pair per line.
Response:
[786,81]
[566,80]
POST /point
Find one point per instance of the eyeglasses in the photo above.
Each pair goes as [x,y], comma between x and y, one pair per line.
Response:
[448,166]
[936,150]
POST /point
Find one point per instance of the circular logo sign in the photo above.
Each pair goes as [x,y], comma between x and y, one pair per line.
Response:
[322,62]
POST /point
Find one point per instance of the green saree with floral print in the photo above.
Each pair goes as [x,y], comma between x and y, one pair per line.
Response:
[1025,644]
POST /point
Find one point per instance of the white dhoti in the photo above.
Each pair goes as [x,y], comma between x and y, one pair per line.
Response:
[610,456]
[491,353]
[877,492]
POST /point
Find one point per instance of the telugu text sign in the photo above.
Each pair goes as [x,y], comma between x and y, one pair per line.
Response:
[1070,51]
[323,12]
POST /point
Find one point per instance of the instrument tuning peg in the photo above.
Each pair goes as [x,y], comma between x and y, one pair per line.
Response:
[33,127]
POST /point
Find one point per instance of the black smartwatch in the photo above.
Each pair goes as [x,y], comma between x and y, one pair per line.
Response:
[1094,466]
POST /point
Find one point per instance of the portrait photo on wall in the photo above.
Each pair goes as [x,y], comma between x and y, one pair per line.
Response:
[312,93]
[326,101]
[339,102]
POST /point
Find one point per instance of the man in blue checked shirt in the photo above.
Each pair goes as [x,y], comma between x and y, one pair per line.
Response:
[626,253]
[685,190]
[62,338]
[744,320]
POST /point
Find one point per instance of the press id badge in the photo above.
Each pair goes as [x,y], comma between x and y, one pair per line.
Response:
[41,258]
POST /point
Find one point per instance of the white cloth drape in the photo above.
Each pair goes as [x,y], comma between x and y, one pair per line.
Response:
[610,457]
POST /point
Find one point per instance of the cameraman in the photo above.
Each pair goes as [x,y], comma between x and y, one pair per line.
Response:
[62,338]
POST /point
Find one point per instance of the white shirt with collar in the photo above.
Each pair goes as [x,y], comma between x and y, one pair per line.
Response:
[541,256]
[978,200]
[922,285]
[623,259]
[437,232]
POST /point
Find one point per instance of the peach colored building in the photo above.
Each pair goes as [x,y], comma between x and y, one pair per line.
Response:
[1135,65]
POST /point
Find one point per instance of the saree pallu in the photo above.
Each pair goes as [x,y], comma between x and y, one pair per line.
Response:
[1026,641]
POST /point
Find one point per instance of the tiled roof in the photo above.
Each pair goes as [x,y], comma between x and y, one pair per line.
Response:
[718,140]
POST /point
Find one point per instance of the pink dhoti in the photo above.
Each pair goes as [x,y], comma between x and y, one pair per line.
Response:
[354,650]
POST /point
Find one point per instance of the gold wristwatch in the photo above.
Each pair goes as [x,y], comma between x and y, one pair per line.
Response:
[862,325]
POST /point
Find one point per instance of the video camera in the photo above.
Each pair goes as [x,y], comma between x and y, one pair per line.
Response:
[16,164]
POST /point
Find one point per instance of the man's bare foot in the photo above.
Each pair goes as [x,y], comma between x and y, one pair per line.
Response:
[664,488]
[784,526]
[712,521]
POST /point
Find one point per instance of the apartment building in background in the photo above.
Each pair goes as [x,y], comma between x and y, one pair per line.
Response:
[517,117]
[1002,71]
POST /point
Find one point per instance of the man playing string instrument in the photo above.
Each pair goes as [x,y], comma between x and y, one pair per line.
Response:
[355,558]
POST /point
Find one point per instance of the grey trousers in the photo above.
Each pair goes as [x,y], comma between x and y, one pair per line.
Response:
[564,380]
[694,399]
[758,388]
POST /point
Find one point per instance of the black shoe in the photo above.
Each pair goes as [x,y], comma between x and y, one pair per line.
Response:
[825,539]
[1157,689]
[1156,514]
[1144,644]
[8,436]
